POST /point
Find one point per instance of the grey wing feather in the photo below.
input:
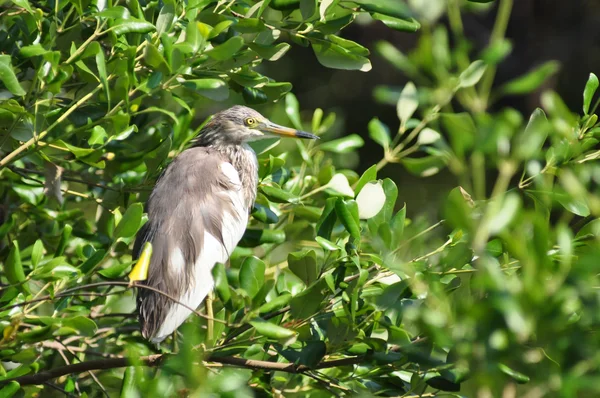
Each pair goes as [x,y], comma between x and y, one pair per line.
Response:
[180,209]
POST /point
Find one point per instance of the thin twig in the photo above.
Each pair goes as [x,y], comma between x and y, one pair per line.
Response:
[156,359]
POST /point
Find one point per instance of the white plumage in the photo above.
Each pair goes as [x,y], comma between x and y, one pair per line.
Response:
[212,252]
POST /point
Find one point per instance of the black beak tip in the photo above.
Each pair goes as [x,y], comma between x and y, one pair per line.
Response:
[304,134]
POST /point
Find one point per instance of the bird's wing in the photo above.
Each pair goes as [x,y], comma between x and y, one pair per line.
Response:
[197,214]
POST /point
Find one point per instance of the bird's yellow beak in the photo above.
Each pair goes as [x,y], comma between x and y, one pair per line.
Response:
[270,127]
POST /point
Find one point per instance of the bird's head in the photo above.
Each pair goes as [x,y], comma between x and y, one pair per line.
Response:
[240,124]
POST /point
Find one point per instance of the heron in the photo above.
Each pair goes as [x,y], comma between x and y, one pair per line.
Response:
[197,214]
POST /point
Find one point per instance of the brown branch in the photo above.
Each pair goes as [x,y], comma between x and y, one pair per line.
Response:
[156,359]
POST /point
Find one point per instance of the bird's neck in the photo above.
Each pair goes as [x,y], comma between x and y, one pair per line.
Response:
[243,159]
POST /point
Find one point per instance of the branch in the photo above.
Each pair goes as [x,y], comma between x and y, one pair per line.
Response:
[156,359]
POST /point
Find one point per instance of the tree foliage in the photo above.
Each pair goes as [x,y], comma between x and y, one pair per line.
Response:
[336,288]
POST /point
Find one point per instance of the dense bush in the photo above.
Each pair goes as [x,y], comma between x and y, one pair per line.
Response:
[334,290]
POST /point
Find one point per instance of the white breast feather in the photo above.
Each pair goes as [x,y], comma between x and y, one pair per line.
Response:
[212,252]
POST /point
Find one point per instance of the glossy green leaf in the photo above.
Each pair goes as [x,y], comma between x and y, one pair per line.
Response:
[402,25]
[226,50]
[590,89]
[130,223]
[369,175]
[515,375]
[13,267]
[130,379]
[270,53]
[407,103]
[33,50]
[131,25]
[252,275]
[379,133]
[37,253]
[276,303]
[390,8]
[532,80]
[471,76]
[335,56]
[304,265]
[347,212]
[254,237]
[10,389]
[64,240]
[461,129]
[215,89]
[346,144]
[8,77]
[270,330]
[277,194]
[529,143]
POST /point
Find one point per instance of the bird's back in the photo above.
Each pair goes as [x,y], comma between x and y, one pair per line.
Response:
[197,213]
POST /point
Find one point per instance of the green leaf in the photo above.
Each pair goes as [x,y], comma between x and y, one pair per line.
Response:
[390,8]
[327,244]
[369,175]
[131,25]
[379,133]
[327,220]
[64,240]
[12,387]
[8,77]
[32,50]
[532,80]
[402,25]
[264,214]
[101,64]
[166,17]
[219,28]
[461,129]
[92,261]
[226,50]
[23,4]
[37,252]
[343,145]
[85,326]
[324,7]
[590,89]
[349,45]
[252,275]
[292,110]
[308,8]
[117,12]
[212,88]
[516,376]
[347,212]
[426,166]
[304,265]
[284,5]
[391,194]
[221,286]
[276,303]
[116,271]
[270,53]
[407,103]
[506,214]
[335,56]
[277,194]
[129,385]
[529,143]
[130,223]
[13,267]
[307,303]
[471,76]
[255,237]
[272,331]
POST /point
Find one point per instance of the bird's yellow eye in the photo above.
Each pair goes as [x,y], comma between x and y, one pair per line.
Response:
[250,121]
